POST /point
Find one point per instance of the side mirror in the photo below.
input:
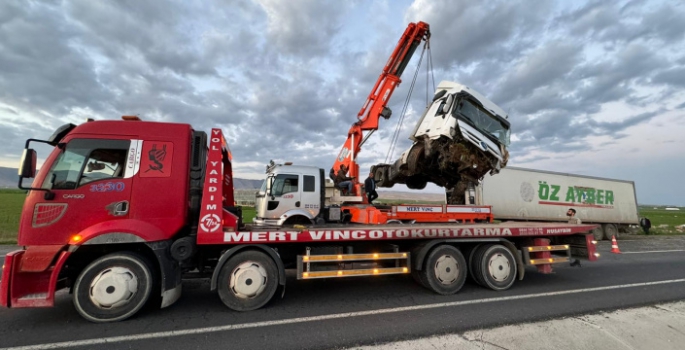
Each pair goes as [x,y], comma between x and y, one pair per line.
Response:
[27,165]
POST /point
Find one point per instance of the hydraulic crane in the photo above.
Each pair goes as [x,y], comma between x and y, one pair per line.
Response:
[376,103]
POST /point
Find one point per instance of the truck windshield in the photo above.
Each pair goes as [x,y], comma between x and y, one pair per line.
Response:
[285,183]
[483,121]
[86,160]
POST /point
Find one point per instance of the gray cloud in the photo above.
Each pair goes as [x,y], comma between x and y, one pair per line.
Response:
[285,80]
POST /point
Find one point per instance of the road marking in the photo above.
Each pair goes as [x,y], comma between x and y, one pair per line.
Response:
[205,330]
[656,251]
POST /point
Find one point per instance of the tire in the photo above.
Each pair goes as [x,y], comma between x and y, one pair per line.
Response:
[598,233]
[416,275]
[471,252]
[609,231]
[113,287]
[445,270]
[247,281]
[297,220]
[494,267]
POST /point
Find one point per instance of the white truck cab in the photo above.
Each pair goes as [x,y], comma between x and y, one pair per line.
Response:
[297,194]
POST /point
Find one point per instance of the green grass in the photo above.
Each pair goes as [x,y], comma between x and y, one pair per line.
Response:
[11,202]
[661,216]
[248,214]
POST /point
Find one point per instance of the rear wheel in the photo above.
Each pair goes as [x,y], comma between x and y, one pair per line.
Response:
[113,287]
[247,281]
[598,233]
[444,271]
[494,267]
[610,230]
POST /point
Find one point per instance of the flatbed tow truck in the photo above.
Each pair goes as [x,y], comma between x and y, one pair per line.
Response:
[123,210]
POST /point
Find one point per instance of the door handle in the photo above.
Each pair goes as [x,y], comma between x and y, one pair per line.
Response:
[297,204]
[118,208]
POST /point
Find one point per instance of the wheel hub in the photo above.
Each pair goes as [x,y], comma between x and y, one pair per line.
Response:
[248,280]
[113,287]
[499,268]
[446,269]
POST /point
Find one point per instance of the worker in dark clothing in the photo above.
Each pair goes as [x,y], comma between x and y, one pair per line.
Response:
[370,188]
[646,225]
[342,181]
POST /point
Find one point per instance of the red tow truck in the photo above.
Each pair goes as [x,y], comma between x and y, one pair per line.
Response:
[123,209]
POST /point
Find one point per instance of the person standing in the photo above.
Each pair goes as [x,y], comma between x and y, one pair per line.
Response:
[646,225]
[370,188]
[572,218]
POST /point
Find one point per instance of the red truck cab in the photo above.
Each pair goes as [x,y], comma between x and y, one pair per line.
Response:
[81,205]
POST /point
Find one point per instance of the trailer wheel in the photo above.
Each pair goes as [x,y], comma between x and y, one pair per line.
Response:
[445,270]
[247,281]
[610,230]
[494,267]
[598,233]
[113,287]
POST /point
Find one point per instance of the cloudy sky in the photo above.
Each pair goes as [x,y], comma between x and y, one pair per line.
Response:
[591,87]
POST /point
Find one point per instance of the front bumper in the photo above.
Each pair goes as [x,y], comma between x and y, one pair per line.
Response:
[22,287]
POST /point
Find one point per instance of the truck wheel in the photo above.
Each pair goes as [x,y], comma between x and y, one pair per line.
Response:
[445,270]
[113,287]
[416,275]
[247,281]
[610,230]
[598,233]
[494,267]
[471,262]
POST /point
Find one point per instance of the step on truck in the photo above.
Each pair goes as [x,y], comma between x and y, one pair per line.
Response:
[122,210]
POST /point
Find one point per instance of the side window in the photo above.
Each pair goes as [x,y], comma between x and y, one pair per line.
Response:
[285,184]
[309,183]
[87,160]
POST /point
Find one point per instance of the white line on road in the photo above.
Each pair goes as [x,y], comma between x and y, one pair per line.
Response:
[656,251]
[157,335]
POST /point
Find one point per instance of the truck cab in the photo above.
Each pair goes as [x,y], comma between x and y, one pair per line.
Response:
[460,137]
[290,194]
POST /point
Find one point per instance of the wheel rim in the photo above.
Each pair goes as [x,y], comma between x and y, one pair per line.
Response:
[113,287]
[446,269]
[499,267]
[248,280]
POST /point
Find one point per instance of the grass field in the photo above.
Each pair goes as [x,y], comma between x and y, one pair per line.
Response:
[11,202]
[659,216]
[10,208]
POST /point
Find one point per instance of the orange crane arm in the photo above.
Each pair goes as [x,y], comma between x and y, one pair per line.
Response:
[375,105]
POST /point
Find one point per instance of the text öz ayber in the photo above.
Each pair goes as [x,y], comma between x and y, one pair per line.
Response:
[336,235]
[575,194]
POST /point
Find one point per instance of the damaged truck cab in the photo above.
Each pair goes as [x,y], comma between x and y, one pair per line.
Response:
[460,137]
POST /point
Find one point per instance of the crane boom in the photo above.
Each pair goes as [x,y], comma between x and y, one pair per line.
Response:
[375,105]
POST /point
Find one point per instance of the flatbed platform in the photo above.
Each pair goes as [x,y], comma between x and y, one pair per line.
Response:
[355,232]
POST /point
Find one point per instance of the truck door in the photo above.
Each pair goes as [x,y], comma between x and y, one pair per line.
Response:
[311,198]
[286,194]
[90,184]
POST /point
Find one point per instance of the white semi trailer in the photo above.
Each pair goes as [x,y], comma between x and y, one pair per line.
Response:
[536,195]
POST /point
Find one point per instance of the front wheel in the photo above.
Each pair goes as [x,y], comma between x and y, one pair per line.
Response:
[113,287]
[247,281]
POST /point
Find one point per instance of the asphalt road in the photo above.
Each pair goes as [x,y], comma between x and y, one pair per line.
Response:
[339,313]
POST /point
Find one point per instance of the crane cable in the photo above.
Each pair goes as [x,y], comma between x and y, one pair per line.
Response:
[398,126]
